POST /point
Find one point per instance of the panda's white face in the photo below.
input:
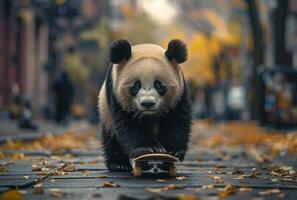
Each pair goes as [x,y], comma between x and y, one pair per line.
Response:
[148,95]
[147,86]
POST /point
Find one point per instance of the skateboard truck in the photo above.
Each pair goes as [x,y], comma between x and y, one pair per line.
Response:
[154,164]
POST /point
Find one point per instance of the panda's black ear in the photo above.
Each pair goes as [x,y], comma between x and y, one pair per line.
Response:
[119,50]
[177,50]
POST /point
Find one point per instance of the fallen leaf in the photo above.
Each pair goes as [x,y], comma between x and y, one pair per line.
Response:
[207,187]
[239,177]
[110,184]
[36,168]
[228,190]
[55,192]
[160,180]
[187,197]
[38,189]
[3,169]
[216,177]
[181,178]
[12,195]
[69,168]
[2,155]
[7,163]
[273,173]
[102,176]
[26,177]
[219,166]
[270,191]
[245,189]
[237,171]
[93,162]
[172,187]
[154,190]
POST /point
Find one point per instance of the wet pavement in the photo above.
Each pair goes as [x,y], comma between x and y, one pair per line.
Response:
[72,167]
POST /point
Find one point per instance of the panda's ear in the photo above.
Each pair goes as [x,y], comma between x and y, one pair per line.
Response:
[120,50]
[177,51]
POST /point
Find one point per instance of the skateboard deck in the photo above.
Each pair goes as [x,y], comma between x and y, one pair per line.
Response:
[154,163]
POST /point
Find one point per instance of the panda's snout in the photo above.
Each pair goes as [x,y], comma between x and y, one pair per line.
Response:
[147,104]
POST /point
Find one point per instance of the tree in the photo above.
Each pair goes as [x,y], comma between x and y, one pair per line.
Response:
[282,56]
[257,57]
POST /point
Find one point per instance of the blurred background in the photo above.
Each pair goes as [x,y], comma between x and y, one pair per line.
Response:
[242,56]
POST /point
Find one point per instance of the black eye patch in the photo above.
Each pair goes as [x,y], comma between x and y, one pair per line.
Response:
[161,89]
[134,89]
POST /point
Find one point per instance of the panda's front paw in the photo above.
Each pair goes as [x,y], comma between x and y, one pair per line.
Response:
[140,151]
[179,154]
[119,167]
[159,149]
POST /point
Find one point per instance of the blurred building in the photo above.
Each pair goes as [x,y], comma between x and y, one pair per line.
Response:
[24,51]
[31,54]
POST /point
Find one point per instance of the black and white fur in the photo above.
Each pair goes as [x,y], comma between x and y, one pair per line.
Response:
[148,125]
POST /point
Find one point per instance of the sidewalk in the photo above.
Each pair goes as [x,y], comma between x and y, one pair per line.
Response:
[9,129]
[220,164]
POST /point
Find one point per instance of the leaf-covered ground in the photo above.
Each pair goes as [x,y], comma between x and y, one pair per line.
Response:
[236,160]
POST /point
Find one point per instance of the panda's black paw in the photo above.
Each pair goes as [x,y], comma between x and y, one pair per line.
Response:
[159,149]
[140,151]
[179,154]
[119,167]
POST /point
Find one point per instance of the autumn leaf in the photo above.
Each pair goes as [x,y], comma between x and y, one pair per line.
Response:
[110,184]
[38,189]
[7,163]
[12,195]
[154,190]
[180,178]
[55,192]
[245,189]
[172,187]
[102,176]
[207,186]
[187,197]
[216,177]
[160,180]
[69,168]
[228,190]
[3,169]
[219,166]
[237,171]
[270,191]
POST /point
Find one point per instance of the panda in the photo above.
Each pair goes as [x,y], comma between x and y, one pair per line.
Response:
[143,103]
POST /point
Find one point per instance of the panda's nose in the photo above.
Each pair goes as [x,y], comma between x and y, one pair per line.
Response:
[147,104]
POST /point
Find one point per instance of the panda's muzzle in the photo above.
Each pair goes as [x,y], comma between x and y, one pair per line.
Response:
[147,104]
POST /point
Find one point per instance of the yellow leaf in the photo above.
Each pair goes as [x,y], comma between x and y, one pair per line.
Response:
[3,169]
[12,195]
[102,176]
[172,187]
[110,184]
[154,190]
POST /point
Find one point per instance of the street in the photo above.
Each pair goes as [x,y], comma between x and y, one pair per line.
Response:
[223,161]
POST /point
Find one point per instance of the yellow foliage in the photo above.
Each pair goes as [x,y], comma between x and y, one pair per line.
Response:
[78,72]
[204,48]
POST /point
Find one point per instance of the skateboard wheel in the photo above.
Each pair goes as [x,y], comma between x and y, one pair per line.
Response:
[137,171]
[172,171]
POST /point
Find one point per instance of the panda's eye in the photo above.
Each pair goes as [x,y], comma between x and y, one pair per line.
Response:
[134,89]
[161,89]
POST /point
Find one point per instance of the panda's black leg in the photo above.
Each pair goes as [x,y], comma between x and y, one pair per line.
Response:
[115,158]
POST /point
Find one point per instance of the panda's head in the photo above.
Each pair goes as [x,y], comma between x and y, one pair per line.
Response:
[147,79]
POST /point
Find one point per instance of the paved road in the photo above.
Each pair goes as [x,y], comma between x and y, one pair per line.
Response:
[45,170]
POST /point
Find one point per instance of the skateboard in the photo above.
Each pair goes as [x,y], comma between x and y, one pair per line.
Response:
[154,163]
